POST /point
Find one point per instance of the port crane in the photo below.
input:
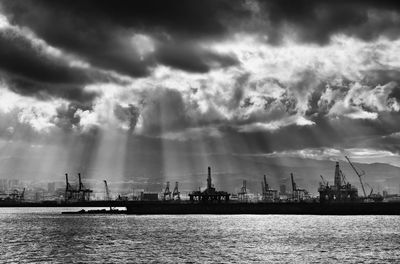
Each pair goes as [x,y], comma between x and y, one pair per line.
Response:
[81,194]
[243,191]
[268,194]
[265,189]
[176,192]
[294,187]
[297,193]
[264,185]
[359,174]
[295,190]
[69,192]
[167,192]
[107,198]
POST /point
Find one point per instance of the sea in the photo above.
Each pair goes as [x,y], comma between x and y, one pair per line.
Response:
[44,235]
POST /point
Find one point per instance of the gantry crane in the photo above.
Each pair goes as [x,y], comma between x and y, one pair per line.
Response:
[81,194]
[176,192]
[264,188]
[69,192]
[167,192]
[243,191]
[297,193]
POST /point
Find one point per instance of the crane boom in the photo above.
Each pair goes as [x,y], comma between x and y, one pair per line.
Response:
[344,180]
[323,180]
[358,174]
[265,182]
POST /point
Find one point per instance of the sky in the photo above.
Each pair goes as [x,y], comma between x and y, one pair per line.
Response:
[158,90]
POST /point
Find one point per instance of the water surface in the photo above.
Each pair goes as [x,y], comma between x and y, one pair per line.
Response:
[44,235]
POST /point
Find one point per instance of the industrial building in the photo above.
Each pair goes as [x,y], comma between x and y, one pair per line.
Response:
[340,191]
[209,194]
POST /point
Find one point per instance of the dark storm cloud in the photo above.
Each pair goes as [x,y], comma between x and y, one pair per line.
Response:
[103,34]
[316,20]
[179,16]
[191,58]
[29,70]
[46,91]
[395,93]
[100,31]
[19,55]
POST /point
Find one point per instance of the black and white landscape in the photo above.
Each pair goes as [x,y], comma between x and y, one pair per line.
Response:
[144,92]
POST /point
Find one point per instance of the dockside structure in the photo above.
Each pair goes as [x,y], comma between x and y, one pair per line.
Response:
[340,191]
[209,194]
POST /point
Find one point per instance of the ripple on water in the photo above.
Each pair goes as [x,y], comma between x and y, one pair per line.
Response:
[44,235]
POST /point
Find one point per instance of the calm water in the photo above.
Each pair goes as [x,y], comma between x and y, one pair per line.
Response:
[44,235]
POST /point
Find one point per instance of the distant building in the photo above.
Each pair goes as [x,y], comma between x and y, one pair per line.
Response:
[38,197]
[282,189]
[270,195]
[3,185]
[51,187]
[14,183]
[149,196]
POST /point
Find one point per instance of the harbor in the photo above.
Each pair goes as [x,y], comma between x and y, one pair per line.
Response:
[341,198]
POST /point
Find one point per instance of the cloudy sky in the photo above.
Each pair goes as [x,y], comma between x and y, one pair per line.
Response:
[161,88]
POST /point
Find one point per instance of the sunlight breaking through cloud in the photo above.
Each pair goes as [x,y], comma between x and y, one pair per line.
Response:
[112,91]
